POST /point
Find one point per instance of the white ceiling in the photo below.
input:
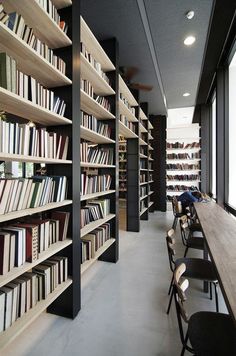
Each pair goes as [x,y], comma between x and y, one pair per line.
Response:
[150,35]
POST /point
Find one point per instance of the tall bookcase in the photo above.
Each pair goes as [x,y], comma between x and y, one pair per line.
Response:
[65,299]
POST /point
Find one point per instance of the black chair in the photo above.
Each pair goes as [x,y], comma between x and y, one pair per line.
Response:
[196,268]
[177,211]
[209,333]
[191,238]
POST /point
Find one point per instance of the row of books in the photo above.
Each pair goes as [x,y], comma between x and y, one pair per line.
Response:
[95,183]
[97,155]
[94,210]
[125,101]
[27,87]
[91,123]
[24,292]
[128,123]
[144,136]
[16,23]
[142,164]
[183,167]
[25,139]
[142,177]
[142,150]
[50,8]
[93,241]
[143,191]
[183,155]
[87,87]
[94,63]
[182,145]
[142,205]
[184,177]
[24,241]
[23,193]
[180,188]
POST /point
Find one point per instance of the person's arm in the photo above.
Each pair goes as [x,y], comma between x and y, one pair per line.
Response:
[192,198]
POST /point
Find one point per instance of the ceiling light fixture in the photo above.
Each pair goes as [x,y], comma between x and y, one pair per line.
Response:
[189,40]
[190,15]
[186,94]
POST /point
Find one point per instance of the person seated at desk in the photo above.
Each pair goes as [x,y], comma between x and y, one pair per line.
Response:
[188,198]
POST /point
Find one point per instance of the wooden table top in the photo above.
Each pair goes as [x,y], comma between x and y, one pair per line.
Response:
[219,230]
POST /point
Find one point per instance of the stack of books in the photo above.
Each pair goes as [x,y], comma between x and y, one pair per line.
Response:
[24,241]
[94,210]
[96,155]
[92,184]
[23,193]
[27,87]
[90,122]
[24,139]
[94,240]
[24,292]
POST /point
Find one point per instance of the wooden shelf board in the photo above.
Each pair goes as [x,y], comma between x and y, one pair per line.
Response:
[184,181]
[122,160]
[150,148]
[21,158]
[16,105]
[142,115]
[29,61]
[144,169]
[142,156]
[93,225]
[125,111]
[144,197]
[93,136]
[95,165]
[21,213]
[150,126]
[151,181]
[142,128]
[151,192]
[151,170]
[143,211]
[100,251]
[88,72]
[183,159]
[95,195]
[93,46]
[150,159]
[150,137]
[45,28]
[143,183]
[184,149]
[60,4]
[92,107]
[125,131]
[126,92]
[22,323]
[150,203]
[142,142]
[17,271]
[183,170]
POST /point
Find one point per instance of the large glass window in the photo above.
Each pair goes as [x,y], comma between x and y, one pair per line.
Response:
[232,132]
[213,147]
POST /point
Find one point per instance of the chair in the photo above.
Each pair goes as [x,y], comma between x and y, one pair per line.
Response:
[196,268]
[177,211]
[190,237]
[209,333]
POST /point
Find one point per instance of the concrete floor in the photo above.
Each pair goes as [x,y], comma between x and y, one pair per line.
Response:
[123,305]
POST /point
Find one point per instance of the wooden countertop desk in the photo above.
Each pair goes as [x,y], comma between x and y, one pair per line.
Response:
[219,230]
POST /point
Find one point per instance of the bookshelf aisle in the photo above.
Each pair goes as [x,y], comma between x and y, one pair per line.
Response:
[98,150]
[39,215]
[183,154]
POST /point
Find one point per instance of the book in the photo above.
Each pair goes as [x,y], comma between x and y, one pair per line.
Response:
[4,252]
[63,218]
[8,306]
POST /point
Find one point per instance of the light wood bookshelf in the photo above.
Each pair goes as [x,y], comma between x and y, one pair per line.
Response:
[29,61]
[16,105]
[87,264]
[21,158]
[91,106]
[144,197]
[126,92]
[45,28]
[142,128]
[93,136]
[125,131]
[93,225]
[96,165]
[96,195]
[124,110]
[143,156]
[60,4]
[22,323]
[142,142]
[143,211]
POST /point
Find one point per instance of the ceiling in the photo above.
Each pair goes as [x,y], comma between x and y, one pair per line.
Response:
[150,35]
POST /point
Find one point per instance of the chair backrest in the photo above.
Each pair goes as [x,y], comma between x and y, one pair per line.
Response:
[170,242]
[176,206]
[180,286]
[183,222]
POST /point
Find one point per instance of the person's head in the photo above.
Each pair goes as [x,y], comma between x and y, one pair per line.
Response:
[197,195]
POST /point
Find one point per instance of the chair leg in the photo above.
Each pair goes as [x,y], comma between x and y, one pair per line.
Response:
[170,301]
[174,223]
[210,290]
[171,283]
[184,345]
[216,296]
[186,251]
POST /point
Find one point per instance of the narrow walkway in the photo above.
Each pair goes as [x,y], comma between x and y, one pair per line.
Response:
[123,306]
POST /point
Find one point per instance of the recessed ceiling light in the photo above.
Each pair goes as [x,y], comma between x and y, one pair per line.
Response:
[189,40]
[186,94]
[189,15]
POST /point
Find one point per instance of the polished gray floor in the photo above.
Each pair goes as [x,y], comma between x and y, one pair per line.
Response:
[123,307]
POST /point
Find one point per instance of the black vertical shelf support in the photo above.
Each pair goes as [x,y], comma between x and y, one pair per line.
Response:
[68,303]
[159,163]
[111,48]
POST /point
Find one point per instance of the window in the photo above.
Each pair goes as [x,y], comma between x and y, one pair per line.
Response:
[232,132]
[213,147]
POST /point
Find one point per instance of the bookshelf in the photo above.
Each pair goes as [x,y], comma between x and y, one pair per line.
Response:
[98,67]
[183,159]
[64,299]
